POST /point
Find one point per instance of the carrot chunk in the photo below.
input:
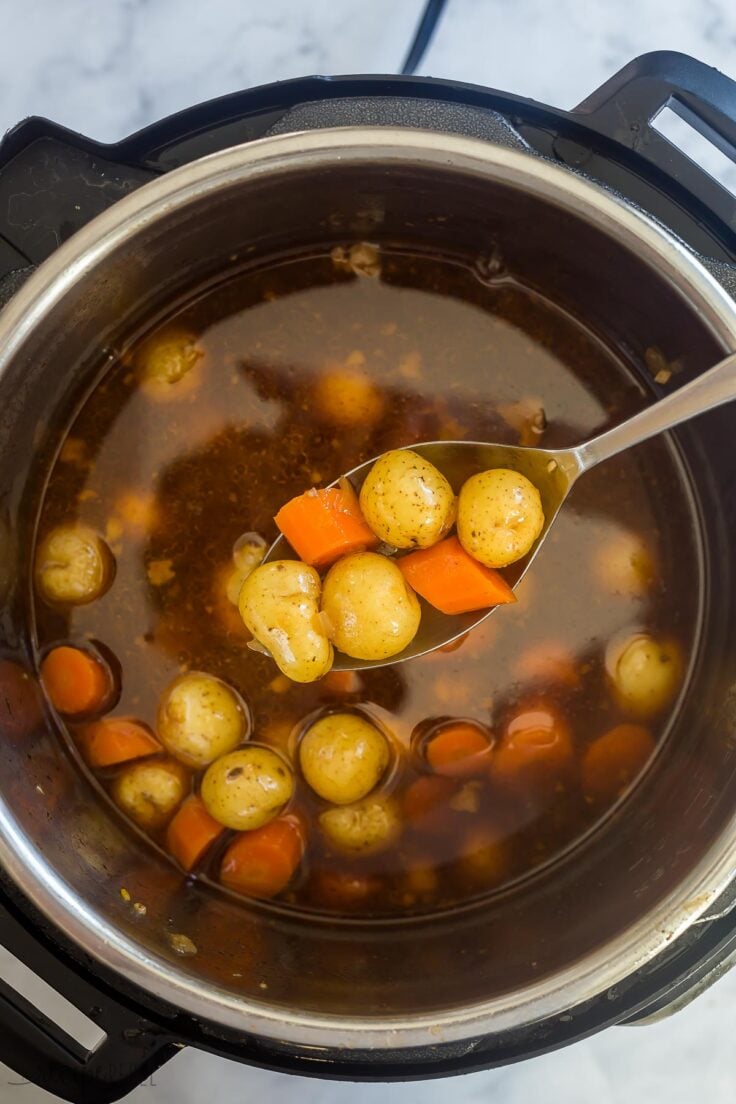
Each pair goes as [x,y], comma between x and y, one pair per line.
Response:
[262,862]
[342,682]
[76,682]
[425,801]
[344,889]
[535,753]
[452,581]
[458,750]
[613,761]
[323,525]
[191,832]
[117,740]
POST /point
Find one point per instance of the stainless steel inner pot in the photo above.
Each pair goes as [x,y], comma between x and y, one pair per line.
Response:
[555,940]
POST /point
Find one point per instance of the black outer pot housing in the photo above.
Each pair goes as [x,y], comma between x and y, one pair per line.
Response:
[610,138]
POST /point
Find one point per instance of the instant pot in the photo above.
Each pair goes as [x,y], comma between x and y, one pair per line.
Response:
[599,209]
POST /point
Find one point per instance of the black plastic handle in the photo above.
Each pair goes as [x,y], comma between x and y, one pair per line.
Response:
[625,107]
[52,181]
[40,1051]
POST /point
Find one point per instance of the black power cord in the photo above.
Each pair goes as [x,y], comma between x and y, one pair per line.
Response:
[424,32]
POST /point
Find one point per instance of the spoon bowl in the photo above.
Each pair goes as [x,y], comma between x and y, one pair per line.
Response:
[552,471]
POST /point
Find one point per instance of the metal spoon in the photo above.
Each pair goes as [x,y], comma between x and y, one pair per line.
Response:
[553,472]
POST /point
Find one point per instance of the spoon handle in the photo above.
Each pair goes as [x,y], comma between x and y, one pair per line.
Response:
[711,389]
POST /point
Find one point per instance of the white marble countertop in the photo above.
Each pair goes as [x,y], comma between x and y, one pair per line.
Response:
[107,69]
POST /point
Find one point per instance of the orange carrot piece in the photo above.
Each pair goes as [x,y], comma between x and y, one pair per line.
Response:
[614,760]
[452,646]
[458,750]
[117,740]
[191,832]
[452,581]
[76,682]
[321,526]
[425,801]
[536,748]
[342,682]
[262,862]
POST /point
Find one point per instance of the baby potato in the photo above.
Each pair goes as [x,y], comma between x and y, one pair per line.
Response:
[499,516]
[365,828]
[279,603]
[406,501]
[372,612]
[247,787]
[223,597]
[346,396]
[342,757]
[624,565]
[645,674]
[421,883]
[166,359]
[248,553]
[73,566]
[485,860]
[150,791]
[200,718]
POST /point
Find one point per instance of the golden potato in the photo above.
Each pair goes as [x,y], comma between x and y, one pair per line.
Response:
[624,565]
[232,580]
[371,611]
[247,788]
[406,501]
[165,361]
[200,718]
[421,883]
[150,791]
[645,674]
[346,396]
[279,603]
[73,566]
[499,516]
[342,757]
[369,826]
[485,860]
[248,553]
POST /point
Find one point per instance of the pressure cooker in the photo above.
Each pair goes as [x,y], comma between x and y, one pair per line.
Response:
[594,204]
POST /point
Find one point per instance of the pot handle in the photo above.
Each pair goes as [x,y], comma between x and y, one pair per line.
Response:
[53,181]
[625,107]
[42,1052]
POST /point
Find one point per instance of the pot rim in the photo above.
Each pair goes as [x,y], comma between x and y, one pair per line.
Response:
[656,247]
